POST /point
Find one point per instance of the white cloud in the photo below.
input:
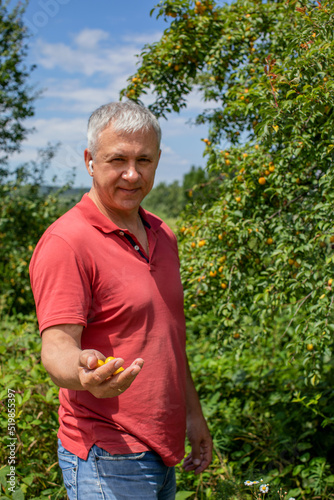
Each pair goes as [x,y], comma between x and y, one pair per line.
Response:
[56,129]
[92,52]
[142,39]
[89,39]
[117,60]
[70,96]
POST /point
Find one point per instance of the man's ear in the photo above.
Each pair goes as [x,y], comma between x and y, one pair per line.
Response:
[89,161]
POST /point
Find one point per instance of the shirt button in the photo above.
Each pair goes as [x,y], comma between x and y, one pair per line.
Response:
[121,233]
[137,248]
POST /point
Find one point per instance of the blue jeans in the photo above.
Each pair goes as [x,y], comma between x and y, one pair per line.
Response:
[116,477]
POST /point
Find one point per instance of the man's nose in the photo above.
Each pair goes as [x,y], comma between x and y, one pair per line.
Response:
[131,173]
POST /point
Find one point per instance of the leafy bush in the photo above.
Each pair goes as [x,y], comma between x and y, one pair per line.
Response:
[256,238]
[168,200]
[27,208]
[36,421]
[263,417]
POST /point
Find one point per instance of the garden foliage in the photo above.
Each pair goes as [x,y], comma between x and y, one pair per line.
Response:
[27,208]
[36,398]
[256,240]
[168,200]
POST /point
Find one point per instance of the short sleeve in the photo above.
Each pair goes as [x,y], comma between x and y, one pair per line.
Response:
[60,284]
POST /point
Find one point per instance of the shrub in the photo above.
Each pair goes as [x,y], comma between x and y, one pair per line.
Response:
[36,420]
[256,239]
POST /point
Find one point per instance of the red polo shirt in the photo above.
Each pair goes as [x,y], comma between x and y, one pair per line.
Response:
[85,270]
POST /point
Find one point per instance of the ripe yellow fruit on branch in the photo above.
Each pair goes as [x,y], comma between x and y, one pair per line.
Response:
[262,180]
[270,241]
[201,243]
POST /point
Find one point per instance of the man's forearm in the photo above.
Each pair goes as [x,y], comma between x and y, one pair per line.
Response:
[193,404]
[197,431]
[60,355]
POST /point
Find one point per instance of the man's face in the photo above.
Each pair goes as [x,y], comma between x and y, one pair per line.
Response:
[124,168]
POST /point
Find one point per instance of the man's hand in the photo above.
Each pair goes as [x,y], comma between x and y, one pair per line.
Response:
[201,443]
[99,380]
[76,369]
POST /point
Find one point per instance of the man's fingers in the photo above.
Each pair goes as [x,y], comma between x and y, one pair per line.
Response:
[126,377]
[188,463]
[196,454]
[136,366]
[100,378]
[197,465]
[89,358]
[107,370]
[90,363]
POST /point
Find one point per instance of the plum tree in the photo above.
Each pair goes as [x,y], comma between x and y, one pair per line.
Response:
[265,70]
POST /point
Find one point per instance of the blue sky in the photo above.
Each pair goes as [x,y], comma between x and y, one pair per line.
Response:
[84,51]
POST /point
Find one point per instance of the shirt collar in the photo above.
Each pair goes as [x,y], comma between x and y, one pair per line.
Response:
[101,222]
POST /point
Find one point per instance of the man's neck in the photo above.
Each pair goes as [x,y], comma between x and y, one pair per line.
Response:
[123,219]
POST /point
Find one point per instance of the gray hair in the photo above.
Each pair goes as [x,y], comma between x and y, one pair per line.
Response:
[127,117]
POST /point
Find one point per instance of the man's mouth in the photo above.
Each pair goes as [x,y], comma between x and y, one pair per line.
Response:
[129,190]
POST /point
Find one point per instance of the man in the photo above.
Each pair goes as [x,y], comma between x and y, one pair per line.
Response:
[106,282]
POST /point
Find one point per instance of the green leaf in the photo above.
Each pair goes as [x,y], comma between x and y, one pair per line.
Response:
[182,495]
